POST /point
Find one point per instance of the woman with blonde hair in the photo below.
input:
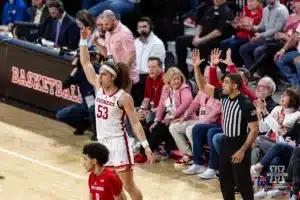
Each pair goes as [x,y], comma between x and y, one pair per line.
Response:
[175,98]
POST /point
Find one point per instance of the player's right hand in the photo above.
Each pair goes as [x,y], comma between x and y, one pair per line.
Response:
[149,155]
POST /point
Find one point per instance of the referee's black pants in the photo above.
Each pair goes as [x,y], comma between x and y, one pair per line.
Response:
[232,174]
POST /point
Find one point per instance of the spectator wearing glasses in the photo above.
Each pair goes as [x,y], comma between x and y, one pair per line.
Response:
[146,46]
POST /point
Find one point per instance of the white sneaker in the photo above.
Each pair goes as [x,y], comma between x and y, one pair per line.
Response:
[194,169]
[260,194]
[208,174]
[253,172]
[274,192]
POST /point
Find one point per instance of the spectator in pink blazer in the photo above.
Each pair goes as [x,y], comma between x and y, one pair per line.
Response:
[209,113]
[175,98]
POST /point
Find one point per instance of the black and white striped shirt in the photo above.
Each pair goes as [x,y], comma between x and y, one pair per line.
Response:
[236,114]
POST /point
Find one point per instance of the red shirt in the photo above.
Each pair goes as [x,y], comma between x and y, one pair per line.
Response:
[153,88]
[214,81]
[253,18]
[105,186]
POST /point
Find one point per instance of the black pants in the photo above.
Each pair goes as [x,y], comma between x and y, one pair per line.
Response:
[138,89]
[231,173]
[159,134]
[184,41]
[265,63]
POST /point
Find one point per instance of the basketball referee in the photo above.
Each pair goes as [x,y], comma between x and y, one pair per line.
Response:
[238,113]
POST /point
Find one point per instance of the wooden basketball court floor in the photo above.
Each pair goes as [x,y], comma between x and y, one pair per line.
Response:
[40,159]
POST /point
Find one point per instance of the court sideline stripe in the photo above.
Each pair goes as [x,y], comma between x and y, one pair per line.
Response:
[52,167]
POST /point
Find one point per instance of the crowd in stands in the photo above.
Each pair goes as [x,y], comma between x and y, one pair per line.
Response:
[260,44]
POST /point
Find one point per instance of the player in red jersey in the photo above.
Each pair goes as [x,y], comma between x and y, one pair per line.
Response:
[112,104]
[103,183]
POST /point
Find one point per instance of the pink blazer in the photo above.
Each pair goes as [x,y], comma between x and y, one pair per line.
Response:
[183,98]
[212,108]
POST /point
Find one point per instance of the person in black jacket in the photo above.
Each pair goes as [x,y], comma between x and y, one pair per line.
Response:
[80,116]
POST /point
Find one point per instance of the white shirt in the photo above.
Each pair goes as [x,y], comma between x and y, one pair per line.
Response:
[271,123]
[153,46]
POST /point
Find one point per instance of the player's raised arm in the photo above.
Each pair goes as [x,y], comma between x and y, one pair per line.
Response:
[85,58]
[127,103]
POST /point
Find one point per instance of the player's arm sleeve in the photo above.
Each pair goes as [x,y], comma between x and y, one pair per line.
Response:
[249,111]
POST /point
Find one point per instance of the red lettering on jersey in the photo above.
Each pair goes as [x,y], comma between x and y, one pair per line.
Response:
[102,112]
[102,101]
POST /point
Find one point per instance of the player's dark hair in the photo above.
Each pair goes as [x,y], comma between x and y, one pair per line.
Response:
[97,151]
[159,62]
[294,98]
[86,19]
[235,78]
[123,80]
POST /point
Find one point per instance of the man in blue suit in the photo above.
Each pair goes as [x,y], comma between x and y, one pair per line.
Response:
[64,30]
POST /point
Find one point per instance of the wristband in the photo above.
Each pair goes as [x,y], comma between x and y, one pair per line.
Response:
[145,143]
[83,42]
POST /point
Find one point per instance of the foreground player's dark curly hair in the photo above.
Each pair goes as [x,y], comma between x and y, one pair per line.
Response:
[123,80]
[97,151]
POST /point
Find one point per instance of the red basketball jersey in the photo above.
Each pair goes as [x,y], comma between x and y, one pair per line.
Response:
[105,186]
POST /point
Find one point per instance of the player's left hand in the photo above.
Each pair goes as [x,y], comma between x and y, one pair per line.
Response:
[238,156]
[149,155]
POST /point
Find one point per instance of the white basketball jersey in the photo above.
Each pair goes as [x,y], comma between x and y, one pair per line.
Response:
[109,117]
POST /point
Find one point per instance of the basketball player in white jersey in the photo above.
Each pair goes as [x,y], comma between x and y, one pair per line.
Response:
[112,104]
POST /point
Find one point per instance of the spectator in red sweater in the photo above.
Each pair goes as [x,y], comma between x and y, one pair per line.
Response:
[252,13]
[231,68]
[153,87]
